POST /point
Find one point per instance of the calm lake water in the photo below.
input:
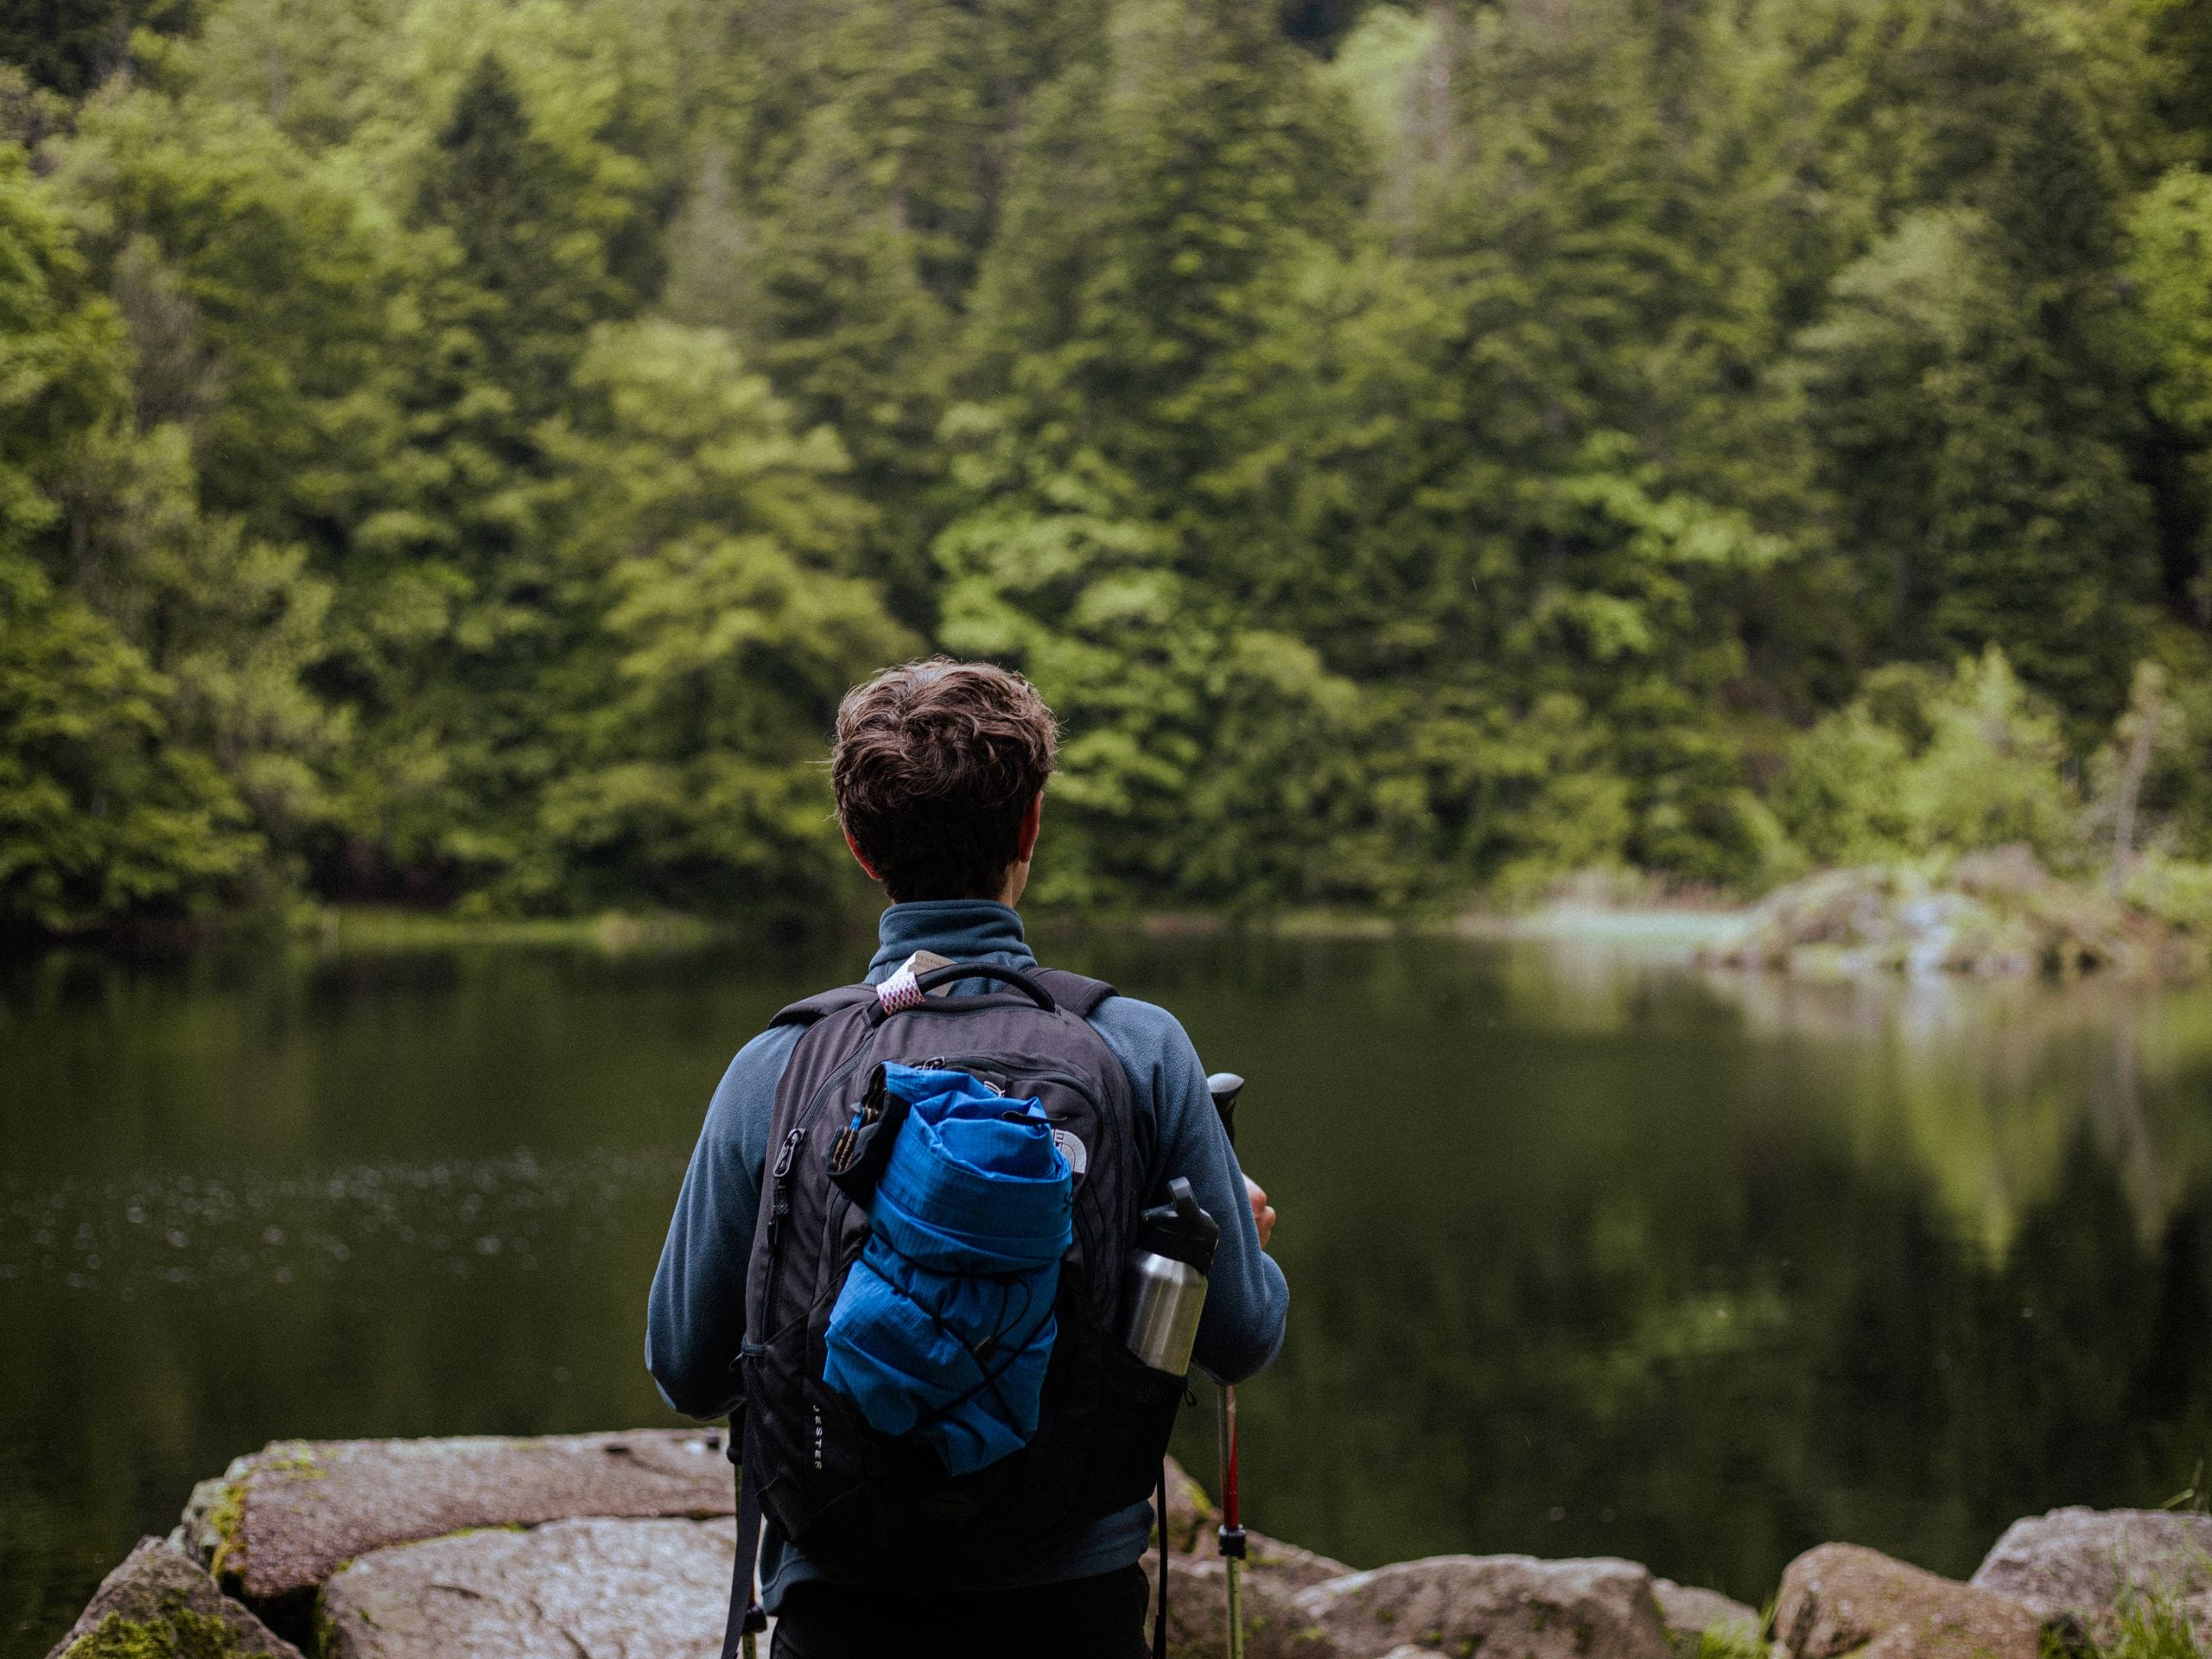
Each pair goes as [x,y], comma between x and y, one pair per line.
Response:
[1590,1253]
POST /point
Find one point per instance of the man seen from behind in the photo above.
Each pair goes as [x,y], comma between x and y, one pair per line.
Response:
[946,1442]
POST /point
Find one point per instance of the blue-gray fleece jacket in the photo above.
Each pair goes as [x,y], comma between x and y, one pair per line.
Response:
[697,1314]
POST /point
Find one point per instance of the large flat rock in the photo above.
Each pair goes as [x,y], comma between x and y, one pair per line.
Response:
[592,1589]
[1840,1598]
[2075,1566]
[279,1523]
[1503,1606]
[159,1601]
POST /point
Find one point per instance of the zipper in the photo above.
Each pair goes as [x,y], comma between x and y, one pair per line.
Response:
[781,1201]
[780,1175]
[939,1063]
[1067,1080]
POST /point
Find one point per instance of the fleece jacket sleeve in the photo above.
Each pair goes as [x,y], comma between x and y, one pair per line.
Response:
[696,1315]
[1247,1299]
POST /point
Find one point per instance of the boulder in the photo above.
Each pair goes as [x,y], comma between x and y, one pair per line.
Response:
[279,1523]
[1197,1591]
[2197,1612]
[1197,1611]
[159,1601]
[1690,1612]
[1191,1519]
[2073,1566]
[1287,1565]
[1503,1607]
[568,1588]
[1842,1597]
[1191,1516]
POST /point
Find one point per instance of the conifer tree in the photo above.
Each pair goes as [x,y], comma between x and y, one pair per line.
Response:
[2171,249]
[452,625]
[1159,193]
[712,543]
[1472,509]
[1982,488]
[845,324]
[103,815]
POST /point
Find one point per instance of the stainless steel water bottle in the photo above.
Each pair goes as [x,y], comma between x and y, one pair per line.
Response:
[1166,1286]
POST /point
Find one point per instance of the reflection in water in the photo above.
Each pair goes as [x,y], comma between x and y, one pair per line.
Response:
[1589,1252]
[1990,1081]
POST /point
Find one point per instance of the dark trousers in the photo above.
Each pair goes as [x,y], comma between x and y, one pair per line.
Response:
[1081,1619]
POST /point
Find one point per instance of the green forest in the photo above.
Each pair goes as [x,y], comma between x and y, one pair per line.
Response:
[454,453]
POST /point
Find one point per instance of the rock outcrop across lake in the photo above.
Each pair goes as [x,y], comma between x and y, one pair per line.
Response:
[609,1545]
[1990,914]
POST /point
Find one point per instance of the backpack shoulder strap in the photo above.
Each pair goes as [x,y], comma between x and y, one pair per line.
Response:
[746,1616]
[807,1010]
[1078,996]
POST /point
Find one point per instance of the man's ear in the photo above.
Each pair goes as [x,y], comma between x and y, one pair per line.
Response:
[860,857]
[1032,821]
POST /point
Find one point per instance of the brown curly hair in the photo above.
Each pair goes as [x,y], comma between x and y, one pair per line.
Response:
[934,765]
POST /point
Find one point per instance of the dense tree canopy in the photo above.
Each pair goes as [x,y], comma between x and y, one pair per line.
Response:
[460,452]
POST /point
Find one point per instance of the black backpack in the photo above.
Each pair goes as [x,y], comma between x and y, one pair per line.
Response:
[884,1510]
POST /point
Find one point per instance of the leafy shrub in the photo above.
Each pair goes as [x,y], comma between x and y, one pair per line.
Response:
[2176,892]
[1993,771]
[1919,766]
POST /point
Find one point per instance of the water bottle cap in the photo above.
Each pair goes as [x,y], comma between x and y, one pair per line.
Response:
[1180,1230]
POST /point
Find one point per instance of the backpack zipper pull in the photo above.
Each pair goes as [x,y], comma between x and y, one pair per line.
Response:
[780,1174]
[783,1157]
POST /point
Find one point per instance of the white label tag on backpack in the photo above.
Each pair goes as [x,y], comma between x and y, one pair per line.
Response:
[1073,1150]
[899,992]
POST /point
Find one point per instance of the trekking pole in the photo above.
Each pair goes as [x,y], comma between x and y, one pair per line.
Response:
[1224,1087]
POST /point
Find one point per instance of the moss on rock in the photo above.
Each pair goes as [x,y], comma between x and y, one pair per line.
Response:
[224,1521]
[158,1604]
[178,1633]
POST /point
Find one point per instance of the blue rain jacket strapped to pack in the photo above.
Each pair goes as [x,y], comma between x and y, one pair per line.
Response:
[944,1325]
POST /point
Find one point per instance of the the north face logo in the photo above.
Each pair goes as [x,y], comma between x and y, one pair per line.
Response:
[1073,1150]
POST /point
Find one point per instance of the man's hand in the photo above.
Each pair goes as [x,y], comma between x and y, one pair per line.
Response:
[1263,1213]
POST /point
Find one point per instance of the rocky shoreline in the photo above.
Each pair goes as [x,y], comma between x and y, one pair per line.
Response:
[620,1544]
[1996,914]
